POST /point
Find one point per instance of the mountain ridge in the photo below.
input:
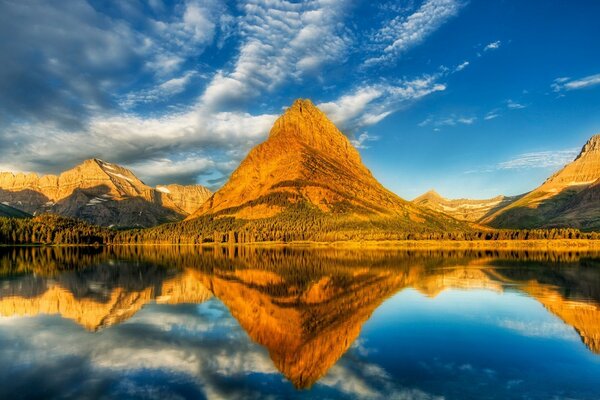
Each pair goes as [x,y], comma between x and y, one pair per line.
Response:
[99,192]
[464,209]
[566,198]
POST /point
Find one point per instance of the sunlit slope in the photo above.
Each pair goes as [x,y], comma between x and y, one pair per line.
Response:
[569,198]
[308,178]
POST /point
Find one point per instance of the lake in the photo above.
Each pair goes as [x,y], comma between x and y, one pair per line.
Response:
[192,322]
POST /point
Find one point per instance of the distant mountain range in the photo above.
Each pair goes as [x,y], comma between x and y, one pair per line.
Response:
[305,182]
[463,209]
[569,198]
[101,193]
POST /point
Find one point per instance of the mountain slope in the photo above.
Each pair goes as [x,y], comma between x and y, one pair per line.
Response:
[10,212]
[567,198]
[463,209]
[96,191]
[306,170]
[187,198]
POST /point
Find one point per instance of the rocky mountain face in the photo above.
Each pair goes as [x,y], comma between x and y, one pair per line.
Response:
[306,161]
[101,193]
[569,198]
[463,209]
[187,198]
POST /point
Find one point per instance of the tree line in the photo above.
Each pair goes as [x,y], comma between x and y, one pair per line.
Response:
[52,229]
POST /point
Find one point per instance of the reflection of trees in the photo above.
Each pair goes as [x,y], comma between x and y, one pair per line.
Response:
[306,306]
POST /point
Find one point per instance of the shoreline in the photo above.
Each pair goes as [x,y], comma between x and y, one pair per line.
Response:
[534,244]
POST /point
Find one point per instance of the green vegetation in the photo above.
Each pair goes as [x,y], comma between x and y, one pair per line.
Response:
[51,229]
[302,223]
[11,212]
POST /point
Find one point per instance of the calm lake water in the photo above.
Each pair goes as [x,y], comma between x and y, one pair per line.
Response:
[164,322]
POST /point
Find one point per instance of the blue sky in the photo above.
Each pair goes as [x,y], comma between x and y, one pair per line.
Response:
[472,98]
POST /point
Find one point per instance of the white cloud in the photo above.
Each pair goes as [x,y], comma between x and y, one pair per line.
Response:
[165,168]
[544,329]
[282,40]
[162,92]
[561,84]
[146,142]
[541,159]
[198,22]
[130,60]
[461,66]
[362,139]
[403,33]
[370,104]
[491,115]
[107,55]
[493,46]
[466,120]
[513,105]
[451,120]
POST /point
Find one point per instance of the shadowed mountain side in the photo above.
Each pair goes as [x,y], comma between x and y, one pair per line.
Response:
[10,212]
[27,200]
[97,206]
[568,208]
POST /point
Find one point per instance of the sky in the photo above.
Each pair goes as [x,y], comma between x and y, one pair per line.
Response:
[470,98]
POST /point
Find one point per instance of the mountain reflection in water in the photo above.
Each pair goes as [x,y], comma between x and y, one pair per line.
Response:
[305,306]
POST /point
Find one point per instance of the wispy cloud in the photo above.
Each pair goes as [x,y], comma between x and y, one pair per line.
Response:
[491,115]
[493,46]
[361,141]
[565,83]
[370,104]
[545,329]
[540,159]
[513,105]
[160,93]
[461,66]
[404,32]
[451,120]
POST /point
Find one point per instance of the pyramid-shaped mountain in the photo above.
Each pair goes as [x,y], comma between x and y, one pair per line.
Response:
[102,193]
[569,198]
[308,169]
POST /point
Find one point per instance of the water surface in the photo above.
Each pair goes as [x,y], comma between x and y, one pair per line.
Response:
[168,322]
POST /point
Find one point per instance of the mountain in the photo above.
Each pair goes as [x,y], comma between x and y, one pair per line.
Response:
[187,198]
[10,212]
[463,209]
[308,170]
[100,193]
[569,198]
